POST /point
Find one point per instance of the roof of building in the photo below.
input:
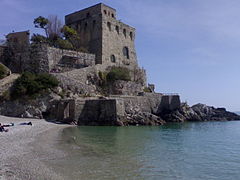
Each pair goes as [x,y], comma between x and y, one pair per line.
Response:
[99,4]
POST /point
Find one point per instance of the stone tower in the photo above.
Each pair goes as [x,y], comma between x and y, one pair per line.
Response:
[102,34]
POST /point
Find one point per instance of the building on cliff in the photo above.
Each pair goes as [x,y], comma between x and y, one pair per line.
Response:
[108,38]
[110,43]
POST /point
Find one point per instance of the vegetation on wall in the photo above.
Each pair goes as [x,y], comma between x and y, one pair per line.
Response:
[31,84]
[147,90]
[58,36]
[118,73]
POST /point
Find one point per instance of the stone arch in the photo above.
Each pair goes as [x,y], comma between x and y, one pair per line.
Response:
[113,58]
[126,52]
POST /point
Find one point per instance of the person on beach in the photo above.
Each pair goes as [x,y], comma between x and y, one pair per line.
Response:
[2,129]
[29,123]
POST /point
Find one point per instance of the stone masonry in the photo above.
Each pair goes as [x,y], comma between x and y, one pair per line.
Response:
[111,40]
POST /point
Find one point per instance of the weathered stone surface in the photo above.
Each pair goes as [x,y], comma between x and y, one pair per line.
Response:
[125,88]
[27,108]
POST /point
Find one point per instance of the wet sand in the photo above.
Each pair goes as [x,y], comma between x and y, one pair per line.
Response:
[24,149]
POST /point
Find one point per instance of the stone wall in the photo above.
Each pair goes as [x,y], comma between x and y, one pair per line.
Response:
[89,111]
[118,36]
[101,112]
[79,81]
[49,59]
[153,103]
[105,36]
[60,59]
[17,55]
[88,23]
[125,88]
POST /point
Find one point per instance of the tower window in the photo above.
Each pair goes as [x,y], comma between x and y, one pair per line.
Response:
[88,15]
[126,52]
[131,35]
[109,26]
[113,16]
[117,29]
[85,26]
[105,12]
[94,23]
[125,32]
[113,58]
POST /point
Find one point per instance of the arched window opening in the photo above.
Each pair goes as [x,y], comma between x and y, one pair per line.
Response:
[131,35]
[113,16]
[105,12]
[117,29]
[125,33]
[109,26]
[113,58]
[85,26]
[94,23]
[126,52]
[88,15]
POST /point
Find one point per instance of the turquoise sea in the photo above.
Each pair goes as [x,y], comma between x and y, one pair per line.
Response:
[187,151]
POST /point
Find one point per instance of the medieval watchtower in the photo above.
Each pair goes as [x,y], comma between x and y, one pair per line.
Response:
[102,34]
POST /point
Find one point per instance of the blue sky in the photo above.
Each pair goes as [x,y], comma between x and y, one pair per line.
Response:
[190,47]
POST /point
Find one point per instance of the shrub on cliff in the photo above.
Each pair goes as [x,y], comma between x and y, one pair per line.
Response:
[37,38]
[3,71]
[31,84]
[118,73]
[64,44]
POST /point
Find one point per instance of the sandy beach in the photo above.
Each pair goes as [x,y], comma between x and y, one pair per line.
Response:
[24,149]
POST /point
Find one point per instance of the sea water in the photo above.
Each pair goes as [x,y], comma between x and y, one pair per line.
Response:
[187,151]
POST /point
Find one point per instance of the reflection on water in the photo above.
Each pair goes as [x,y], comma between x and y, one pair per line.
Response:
[176,151]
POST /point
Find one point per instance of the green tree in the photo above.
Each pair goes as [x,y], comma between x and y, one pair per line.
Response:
[41,22]
[68,32]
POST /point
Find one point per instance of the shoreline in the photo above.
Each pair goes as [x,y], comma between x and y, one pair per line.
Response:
[25,148]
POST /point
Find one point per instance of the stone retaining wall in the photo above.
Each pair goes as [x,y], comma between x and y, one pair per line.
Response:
[49,59]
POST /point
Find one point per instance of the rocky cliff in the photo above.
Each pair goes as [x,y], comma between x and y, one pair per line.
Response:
[198,112]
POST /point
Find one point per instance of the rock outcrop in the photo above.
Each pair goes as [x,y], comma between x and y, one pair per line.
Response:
[198,112]
[28,108]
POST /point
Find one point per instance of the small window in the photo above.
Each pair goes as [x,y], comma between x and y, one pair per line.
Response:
[109,26]
[131,35]
[105,12]
[117,29]
[113,58]
[88,15]
[113,16]
[125,32]
[94,23]
[85,26]
[126,52]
